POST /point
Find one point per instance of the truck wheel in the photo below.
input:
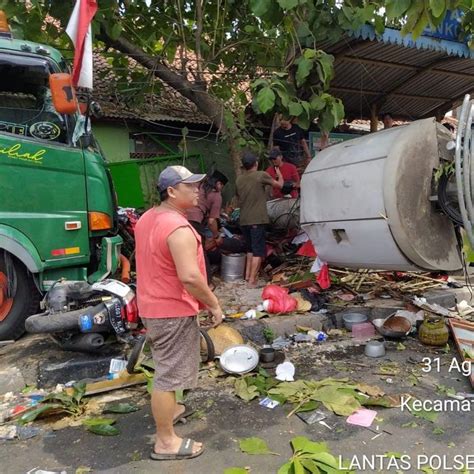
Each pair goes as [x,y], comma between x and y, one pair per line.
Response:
[14,309]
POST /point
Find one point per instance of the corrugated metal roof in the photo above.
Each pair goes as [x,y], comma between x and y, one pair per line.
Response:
[398,75]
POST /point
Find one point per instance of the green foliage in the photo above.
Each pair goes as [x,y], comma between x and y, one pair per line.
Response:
[61,402]
[254,445]
[269,334]
[311,457]
[271,44]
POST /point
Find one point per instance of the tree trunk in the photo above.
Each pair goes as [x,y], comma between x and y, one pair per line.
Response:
[195,92]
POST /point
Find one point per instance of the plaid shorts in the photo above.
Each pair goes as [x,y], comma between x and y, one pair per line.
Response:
[175,348]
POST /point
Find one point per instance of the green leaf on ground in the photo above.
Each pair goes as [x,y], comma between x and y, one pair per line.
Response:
[401,347]
[244,391]
[41,410]
[254,445]
[411,424]
[79,390]
[393,454]
[443,390]
[304,445]
[428,415]
[98,421]
[451,445]
[287,468]
[28,389]
[121,408]
[310,406]
[83,470]
[235,470]
[103,430]
[438,431]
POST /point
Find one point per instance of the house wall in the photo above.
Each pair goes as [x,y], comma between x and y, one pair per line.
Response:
[114,140]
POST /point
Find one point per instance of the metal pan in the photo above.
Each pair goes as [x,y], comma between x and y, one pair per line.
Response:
[239,359]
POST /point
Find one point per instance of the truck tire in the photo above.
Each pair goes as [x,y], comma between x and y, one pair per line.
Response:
[25,302]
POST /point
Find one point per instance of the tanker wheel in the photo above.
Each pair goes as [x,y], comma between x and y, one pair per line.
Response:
[16,307]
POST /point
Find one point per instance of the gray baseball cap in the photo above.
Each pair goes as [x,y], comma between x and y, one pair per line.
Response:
[173,175]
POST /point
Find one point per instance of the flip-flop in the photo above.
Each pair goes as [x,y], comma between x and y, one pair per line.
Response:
[185,451]
[182,418]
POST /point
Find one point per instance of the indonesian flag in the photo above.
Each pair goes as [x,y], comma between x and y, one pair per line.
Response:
[79,30]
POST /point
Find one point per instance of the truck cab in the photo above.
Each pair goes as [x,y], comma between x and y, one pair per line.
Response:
[57,205]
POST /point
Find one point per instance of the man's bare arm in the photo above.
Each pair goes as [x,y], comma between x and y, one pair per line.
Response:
[183,247]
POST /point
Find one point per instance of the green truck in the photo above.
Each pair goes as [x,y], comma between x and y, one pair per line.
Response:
[57,202]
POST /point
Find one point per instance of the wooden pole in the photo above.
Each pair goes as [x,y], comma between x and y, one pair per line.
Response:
[374,121]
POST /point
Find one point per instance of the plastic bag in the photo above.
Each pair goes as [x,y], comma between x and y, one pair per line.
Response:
[324,280]
[279,301]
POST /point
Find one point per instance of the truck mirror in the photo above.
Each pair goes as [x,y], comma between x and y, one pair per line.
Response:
[63,94]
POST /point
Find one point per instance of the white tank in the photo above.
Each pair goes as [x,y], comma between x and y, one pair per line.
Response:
[365,203]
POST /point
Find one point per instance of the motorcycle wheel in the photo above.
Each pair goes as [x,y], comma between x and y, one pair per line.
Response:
[136,354]
[208,351]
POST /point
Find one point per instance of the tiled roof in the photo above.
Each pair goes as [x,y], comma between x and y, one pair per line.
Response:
[164,105]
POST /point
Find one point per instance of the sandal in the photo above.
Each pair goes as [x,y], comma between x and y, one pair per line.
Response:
[185,452]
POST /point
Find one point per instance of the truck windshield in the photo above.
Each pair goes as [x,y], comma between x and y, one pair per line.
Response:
[26,107]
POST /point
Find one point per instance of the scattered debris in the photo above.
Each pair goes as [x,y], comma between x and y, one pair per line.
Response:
[362,417]
[285,372]
[311,417]
[463,333]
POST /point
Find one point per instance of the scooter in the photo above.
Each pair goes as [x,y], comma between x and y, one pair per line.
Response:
[80,316]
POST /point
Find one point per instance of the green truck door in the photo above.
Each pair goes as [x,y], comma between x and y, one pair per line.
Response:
[43,195]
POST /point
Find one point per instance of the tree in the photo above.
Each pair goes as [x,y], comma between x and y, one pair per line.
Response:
[224,54]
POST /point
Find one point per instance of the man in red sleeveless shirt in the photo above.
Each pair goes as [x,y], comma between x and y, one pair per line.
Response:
[171,289]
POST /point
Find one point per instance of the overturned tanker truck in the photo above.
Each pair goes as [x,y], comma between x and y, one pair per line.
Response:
[397,199]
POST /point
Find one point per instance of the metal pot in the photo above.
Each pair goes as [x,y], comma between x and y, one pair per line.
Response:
[353,318]
[375,349]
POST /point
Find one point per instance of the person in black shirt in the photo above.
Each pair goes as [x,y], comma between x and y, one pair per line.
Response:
[291,141]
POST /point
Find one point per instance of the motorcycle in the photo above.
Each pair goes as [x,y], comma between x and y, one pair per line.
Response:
[80,316]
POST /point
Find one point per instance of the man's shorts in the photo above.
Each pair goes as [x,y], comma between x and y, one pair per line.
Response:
[175,346]
[255,237]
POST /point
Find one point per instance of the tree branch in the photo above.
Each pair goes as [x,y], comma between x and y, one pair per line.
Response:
[192,91]
[198,38]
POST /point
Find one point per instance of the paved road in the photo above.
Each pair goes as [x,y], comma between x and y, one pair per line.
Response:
[228,419]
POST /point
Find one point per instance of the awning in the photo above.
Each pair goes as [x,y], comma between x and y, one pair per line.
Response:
[409,78]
